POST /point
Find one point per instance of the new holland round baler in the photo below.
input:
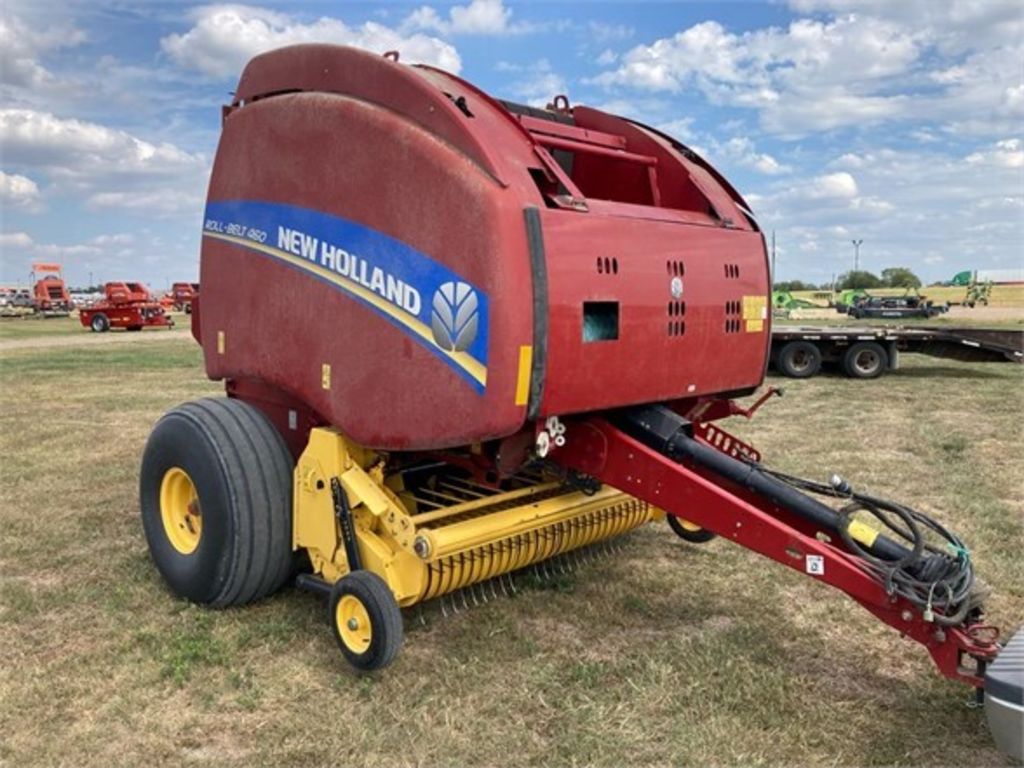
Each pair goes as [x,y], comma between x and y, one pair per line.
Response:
[461,337]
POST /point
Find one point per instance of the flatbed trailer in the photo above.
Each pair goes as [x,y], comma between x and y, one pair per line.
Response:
[867,352]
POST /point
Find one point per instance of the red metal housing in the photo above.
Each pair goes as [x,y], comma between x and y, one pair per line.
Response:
[419,249]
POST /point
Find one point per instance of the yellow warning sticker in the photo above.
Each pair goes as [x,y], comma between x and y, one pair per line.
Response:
[755,326]
[755,308]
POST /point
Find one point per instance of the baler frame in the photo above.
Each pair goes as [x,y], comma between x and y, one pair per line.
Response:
[597,447]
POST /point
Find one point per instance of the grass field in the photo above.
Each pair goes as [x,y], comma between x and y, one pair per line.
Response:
[30,327]
[666,654]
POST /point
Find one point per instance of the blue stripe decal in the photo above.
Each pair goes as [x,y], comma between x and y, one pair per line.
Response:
[437,307]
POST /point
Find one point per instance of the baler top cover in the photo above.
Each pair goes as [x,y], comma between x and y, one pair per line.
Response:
[427,267]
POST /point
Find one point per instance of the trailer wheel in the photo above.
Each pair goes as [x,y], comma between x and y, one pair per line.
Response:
[215,491]
[865,360]
[99,323]
[799,360]
[687,531]
[366,620]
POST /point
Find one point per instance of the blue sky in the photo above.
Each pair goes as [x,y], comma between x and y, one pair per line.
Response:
[898,123]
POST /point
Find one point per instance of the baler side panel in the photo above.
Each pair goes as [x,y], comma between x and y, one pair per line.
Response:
[268,315]
[711,338]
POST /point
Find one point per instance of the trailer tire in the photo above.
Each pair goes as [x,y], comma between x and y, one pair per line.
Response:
[687,531]
[215,491]
[865,360]
[799,360]
[366,620]
[100,323]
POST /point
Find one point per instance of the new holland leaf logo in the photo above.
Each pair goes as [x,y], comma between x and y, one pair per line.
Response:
[455,319]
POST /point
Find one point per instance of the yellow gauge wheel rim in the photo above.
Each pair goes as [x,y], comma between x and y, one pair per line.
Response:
[353,622]
[179,510]
[688,526]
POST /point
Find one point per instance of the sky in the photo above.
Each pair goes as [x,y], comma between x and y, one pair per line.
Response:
[896,123]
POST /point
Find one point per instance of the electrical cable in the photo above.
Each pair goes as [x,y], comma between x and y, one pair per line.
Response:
[935,578]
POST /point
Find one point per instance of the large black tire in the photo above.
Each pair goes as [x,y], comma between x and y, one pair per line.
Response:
[237,544]
[99,323]
[688,531]
[799,360]
[374,636]
[865,360]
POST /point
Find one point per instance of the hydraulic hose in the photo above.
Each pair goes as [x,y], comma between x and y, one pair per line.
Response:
[924,574]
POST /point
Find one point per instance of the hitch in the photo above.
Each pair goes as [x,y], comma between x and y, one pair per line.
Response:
[651,453]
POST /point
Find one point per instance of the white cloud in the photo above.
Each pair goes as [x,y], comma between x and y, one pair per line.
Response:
[934,212]
[15,240]
[21,47]
[110,256]
[607,57]
[480,17]
[1006,153]
[680,130]
[600,32]
[853,69]
[105,165]
[19,191]
[833,185]
[741,151]
[539,85]
[224,37]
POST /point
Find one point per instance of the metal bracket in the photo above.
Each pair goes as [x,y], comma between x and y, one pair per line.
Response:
[348,529]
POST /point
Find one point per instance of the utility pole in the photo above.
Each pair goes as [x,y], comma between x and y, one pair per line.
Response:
[772,276]
[856,254]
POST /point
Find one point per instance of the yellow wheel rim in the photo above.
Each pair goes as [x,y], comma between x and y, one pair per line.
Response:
[353,622]
[179,510]
[688,526]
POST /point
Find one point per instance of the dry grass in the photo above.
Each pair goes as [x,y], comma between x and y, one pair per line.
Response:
[34,326]
[668,654]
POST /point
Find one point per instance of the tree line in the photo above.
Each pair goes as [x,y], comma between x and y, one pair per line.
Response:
[891,277]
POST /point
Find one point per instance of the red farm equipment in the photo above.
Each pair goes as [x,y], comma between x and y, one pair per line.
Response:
[489,335]
[126,305]
[183,295]
[50,297]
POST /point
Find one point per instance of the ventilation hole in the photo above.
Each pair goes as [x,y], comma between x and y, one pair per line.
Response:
[737,269]
[600,266]
[615,266]
[682,327]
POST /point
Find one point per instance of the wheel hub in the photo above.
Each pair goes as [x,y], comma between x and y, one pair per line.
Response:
[180,511]
[353,623]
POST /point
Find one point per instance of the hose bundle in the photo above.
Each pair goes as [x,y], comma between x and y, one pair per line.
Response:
[935,575]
